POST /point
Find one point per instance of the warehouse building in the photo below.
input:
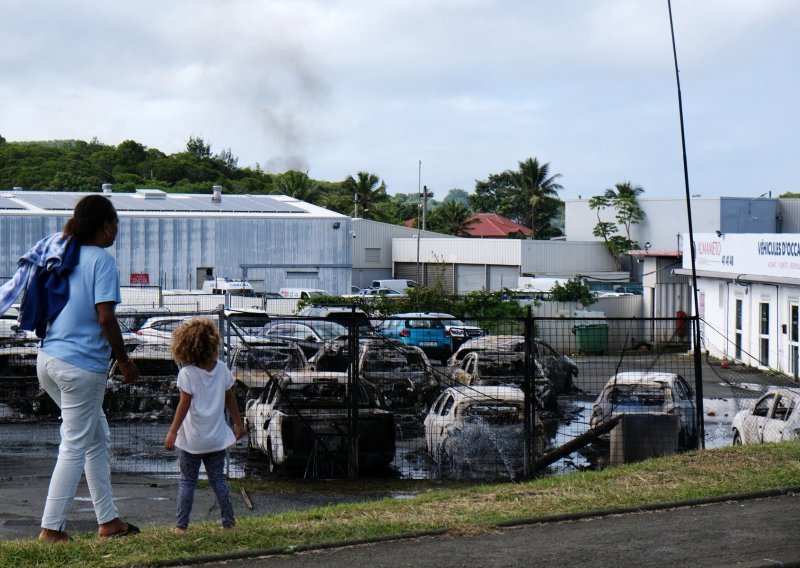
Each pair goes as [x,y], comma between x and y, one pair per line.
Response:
[181,240]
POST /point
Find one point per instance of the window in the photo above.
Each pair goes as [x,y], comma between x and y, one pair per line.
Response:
[763,406]
[739,323]
[372,255]
[783,408]
[764,334]
[448,405]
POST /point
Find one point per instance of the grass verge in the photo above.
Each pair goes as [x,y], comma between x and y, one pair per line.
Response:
[464,510]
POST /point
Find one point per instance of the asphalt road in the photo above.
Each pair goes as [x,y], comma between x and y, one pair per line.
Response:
[745,533]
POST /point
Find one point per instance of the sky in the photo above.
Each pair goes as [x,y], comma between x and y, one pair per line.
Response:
[438,93]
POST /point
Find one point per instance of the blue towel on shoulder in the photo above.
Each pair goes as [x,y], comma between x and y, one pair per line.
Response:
[43,277]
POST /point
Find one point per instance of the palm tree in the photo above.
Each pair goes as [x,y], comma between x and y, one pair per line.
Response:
[452,217]
[296,184]
[367,190]
[624,190]
[534,182]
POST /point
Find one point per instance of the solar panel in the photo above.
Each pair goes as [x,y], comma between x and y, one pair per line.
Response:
[6,203]
[183,203]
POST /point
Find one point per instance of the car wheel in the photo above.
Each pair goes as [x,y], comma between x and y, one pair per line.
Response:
[737,438]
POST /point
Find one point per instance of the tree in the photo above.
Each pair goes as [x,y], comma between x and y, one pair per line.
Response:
[528,196]
[573,290]
[458,195]
[367,190]
[296,184]
[534,182]
[452,218]
[197,147]
[623,199]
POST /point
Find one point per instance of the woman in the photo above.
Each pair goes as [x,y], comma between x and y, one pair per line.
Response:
[72,367]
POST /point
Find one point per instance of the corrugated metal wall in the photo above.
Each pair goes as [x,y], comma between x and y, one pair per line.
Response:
[789,215]
[564,257]
[171,249]
[376,235]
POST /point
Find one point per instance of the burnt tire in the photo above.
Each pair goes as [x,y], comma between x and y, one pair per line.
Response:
[737,438]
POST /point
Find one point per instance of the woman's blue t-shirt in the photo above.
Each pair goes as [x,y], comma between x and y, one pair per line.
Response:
[75,335]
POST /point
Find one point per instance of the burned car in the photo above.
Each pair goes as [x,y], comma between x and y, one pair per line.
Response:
[254,363]
[401,372]
[470,430]
[154,395]
[773,418]
[21,396]
[486,367]
[649,392]
[301,420]
[560,369]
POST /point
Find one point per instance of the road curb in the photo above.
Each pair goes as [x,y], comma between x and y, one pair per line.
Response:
[506,524]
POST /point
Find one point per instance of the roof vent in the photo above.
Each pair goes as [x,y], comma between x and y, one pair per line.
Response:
[216,196]
[151,194]
[107,188]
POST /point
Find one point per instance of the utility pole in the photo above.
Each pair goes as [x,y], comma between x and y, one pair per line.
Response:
[424,206]
[419,182]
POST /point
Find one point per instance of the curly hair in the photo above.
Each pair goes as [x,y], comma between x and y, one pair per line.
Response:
[90,214]
[196,342]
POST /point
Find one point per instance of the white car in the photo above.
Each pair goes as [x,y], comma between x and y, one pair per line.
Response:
[649,392]
[470,429]
[158,329]
[773,418]
[301,419]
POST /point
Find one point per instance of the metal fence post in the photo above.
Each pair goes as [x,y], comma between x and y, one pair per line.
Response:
[698,383]
[528,434]
[353,382]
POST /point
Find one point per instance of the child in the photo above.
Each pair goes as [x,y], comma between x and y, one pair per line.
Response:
[199,429]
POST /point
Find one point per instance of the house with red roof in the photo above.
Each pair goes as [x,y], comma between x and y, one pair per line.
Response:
[492,225]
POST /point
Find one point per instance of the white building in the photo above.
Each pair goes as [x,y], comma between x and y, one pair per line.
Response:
[748,289]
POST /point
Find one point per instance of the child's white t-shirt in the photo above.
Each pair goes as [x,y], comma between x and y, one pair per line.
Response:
[204,429]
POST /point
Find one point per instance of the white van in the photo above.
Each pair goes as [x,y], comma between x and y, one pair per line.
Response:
[302,293]
[224,285]
[396,284]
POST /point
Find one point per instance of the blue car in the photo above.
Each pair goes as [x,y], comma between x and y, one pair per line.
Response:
[437,334]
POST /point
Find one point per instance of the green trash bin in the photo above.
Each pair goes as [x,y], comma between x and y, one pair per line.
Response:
[591,338]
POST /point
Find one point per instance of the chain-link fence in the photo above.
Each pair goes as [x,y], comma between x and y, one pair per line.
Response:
[414,396]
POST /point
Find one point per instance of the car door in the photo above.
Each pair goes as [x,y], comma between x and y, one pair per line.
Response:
[753,423]
[438,420]
[776,421]
[684,399]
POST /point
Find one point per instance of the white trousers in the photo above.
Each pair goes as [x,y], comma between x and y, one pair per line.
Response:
[85,441]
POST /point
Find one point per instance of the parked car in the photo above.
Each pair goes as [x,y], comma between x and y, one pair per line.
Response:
[470,429]
[342,315]
[380,293]
[134,317]
[302,419]
[309,334]
[254,363]
[158,329]
[560,369]
[773,418]
[437,334]
[646,392]
[401,372]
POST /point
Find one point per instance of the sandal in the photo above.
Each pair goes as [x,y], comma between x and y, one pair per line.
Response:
[132,529]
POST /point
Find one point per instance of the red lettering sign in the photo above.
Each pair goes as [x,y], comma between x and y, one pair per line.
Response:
[140,278]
